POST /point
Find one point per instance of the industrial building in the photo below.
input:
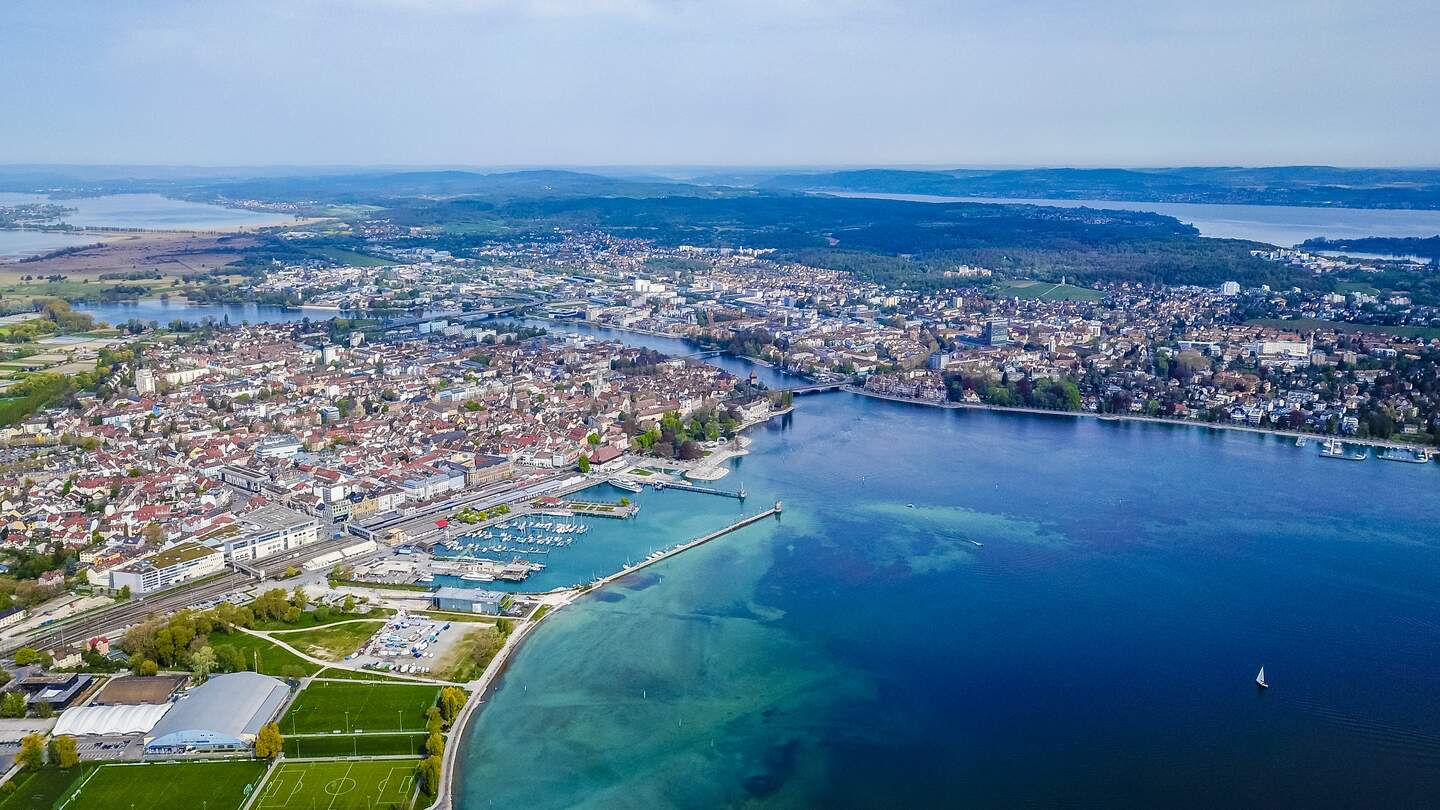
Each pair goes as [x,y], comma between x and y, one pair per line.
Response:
[224,713]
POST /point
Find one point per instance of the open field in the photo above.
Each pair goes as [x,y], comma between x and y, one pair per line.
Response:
[273,660]
[326,706]
[333,642]
[345,785]
[355,745]
[216,785]
[170,254]
[1046,291]
[42,788]
[467,659]
[1310,324]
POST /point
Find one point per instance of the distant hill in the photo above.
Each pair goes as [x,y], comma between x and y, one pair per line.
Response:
[1315,186]
[446,184]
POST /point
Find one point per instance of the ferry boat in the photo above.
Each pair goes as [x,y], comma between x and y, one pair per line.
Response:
[628,486]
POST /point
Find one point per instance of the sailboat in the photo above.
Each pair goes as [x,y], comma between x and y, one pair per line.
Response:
[1260,679]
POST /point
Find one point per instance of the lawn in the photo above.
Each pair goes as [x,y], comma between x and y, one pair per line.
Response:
[361,745]
[326,706]
[333,642]
[274,660]
[1046,291]
[42,788]
[310,618]
[215,785]
[352,785]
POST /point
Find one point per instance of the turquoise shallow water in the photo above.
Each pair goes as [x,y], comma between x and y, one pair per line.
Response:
[1099,650]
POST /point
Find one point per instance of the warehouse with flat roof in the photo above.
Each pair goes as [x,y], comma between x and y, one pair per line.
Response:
[225,712]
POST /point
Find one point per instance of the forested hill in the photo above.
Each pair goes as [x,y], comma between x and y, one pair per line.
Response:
[889,241]
[1427,248]
[1320,186]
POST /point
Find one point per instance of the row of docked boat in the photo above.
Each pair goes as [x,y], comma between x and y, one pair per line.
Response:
[1335,448]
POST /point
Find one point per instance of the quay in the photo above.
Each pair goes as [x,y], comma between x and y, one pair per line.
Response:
[699,541]
[680,485]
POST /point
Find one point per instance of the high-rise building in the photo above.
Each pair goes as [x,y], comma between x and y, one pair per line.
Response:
[996,332]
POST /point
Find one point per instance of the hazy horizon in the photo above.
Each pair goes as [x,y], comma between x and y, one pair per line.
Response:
[724,84]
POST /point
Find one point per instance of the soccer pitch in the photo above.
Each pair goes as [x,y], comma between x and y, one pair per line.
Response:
[326,706]
[375,784]
[167,786]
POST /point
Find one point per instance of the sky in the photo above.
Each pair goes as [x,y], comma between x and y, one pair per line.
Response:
[721,82]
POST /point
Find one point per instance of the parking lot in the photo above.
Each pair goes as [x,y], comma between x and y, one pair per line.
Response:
[408,644]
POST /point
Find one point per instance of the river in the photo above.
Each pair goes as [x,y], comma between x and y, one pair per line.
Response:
[1284,225]
[1098,649]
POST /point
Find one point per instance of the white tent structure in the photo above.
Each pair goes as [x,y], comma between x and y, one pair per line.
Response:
[91,721]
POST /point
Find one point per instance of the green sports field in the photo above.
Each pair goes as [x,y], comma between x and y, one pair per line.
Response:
[376,784]
[211,785]
[354,745]
[326,706]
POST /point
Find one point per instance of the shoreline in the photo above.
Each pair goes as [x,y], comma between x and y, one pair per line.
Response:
[1153,420]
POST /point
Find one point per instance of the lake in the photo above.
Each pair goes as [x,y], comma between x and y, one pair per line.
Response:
[151,211]
[165,311]
[1098,649]
[1284,225]
[19,244]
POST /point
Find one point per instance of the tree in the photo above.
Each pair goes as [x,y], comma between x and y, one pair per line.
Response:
[124,593]
[229,658]
[433,723]
[435,744]
[25,656]
[32,752]
[584,464]
[269,743]
[203,662]
[428,773]
[13,705]
[452,700]
[63,752]
[147,668]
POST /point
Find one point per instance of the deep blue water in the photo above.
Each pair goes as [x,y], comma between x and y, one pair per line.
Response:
[1099,650]
[1284,225]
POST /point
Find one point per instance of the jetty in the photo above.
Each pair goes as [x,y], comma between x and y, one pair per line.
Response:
[681,485]
[699,541]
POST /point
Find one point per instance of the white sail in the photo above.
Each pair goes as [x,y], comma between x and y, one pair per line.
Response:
[1260,679]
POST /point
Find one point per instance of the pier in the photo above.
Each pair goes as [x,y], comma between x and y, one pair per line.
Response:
[699,541]
[680,485]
